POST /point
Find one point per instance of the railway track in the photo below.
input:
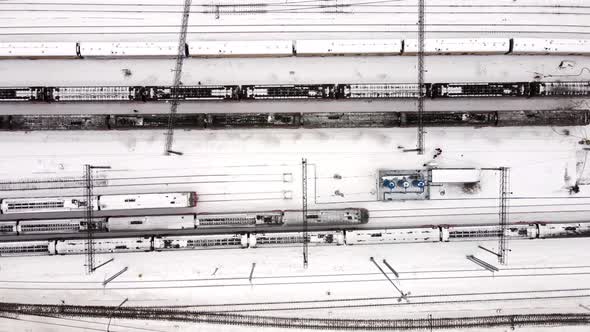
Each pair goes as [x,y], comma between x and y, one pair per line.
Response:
[145,313]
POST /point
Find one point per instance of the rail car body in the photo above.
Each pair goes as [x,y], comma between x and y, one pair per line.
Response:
[459,46]
[45,204]
[321,47]
[128,49]
[240,48]
[147,201]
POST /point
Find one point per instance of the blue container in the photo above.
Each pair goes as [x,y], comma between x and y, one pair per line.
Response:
[418,183]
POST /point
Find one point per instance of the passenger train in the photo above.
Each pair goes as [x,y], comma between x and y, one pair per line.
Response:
[325,217]
[202,121]
[101,202]
[286,48]
[328,91]
[445,233]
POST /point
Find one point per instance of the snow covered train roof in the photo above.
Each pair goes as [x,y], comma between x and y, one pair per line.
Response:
[38,49]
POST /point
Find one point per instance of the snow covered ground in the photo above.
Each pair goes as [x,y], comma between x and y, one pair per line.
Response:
[542,276]
[237,170]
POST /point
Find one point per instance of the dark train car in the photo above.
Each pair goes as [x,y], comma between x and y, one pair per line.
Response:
[463,90]
[157,121]
[59,122]
[560,89]
[287,91]
[196,92]
[351,120]
[543,118]
[380,90]
[450,119]
[30,94]
[253,120]
[5,122]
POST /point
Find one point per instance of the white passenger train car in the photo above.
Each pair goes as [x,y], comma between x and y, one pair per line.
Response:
[457,46]
[115,224]
[47,204]
[348,47]
[538,46]
[128,49]
[379,236]
[147,201]
[53,226]
[200,241]
[26,248]
[233,48]
[69,247]
[38,50]
[239,219]
[328,217]
[294,238]
[544,231]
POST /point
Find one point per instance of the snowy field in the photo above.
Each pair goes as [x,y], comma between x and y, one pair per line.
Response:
[253,170]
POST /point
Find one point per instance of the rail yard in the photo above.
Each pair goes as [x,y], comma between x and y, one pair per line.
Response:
[331,165]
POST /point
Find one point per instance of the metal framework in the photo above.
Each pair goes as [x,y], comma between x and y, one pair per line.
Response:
[420,102]
[180,55]
[88,216]
[304,211]
[503,213]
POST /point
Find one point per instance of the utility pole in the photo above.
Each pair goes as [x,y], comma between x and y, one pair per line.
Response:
[503,213]
[180,55]
[89,215]
[304,211]
[421,92]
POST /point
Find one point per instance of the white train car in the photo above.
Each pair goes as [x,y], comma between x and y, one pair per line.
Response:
[45,204]
[250,48]
[38,50]
[26,248]
[295,238]
[239,219]
[147,201]
[190,242]
[405,235]
[128,49]
[115,224]
[458,46]
[54,226]
[538,46]
[71,247]
[544,231]
[348,47]
[484,232]
[8,228]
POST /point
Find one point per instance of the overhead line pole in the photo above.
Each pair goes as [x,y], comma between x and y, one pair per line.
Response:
[304,212]
[180,55]
[421,92]
[503,213]
[89,215]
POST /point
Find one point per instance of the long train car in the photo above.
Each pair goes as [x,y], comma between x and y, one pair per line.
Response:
[334,217]
[442,233]
[102,202]
[202,121]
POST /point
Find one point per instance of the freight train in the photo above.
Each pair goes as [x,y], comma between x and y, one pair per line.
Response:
[286,48]
[101,202]
[444,233]
[325,217]
[201,121]
[342,91]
